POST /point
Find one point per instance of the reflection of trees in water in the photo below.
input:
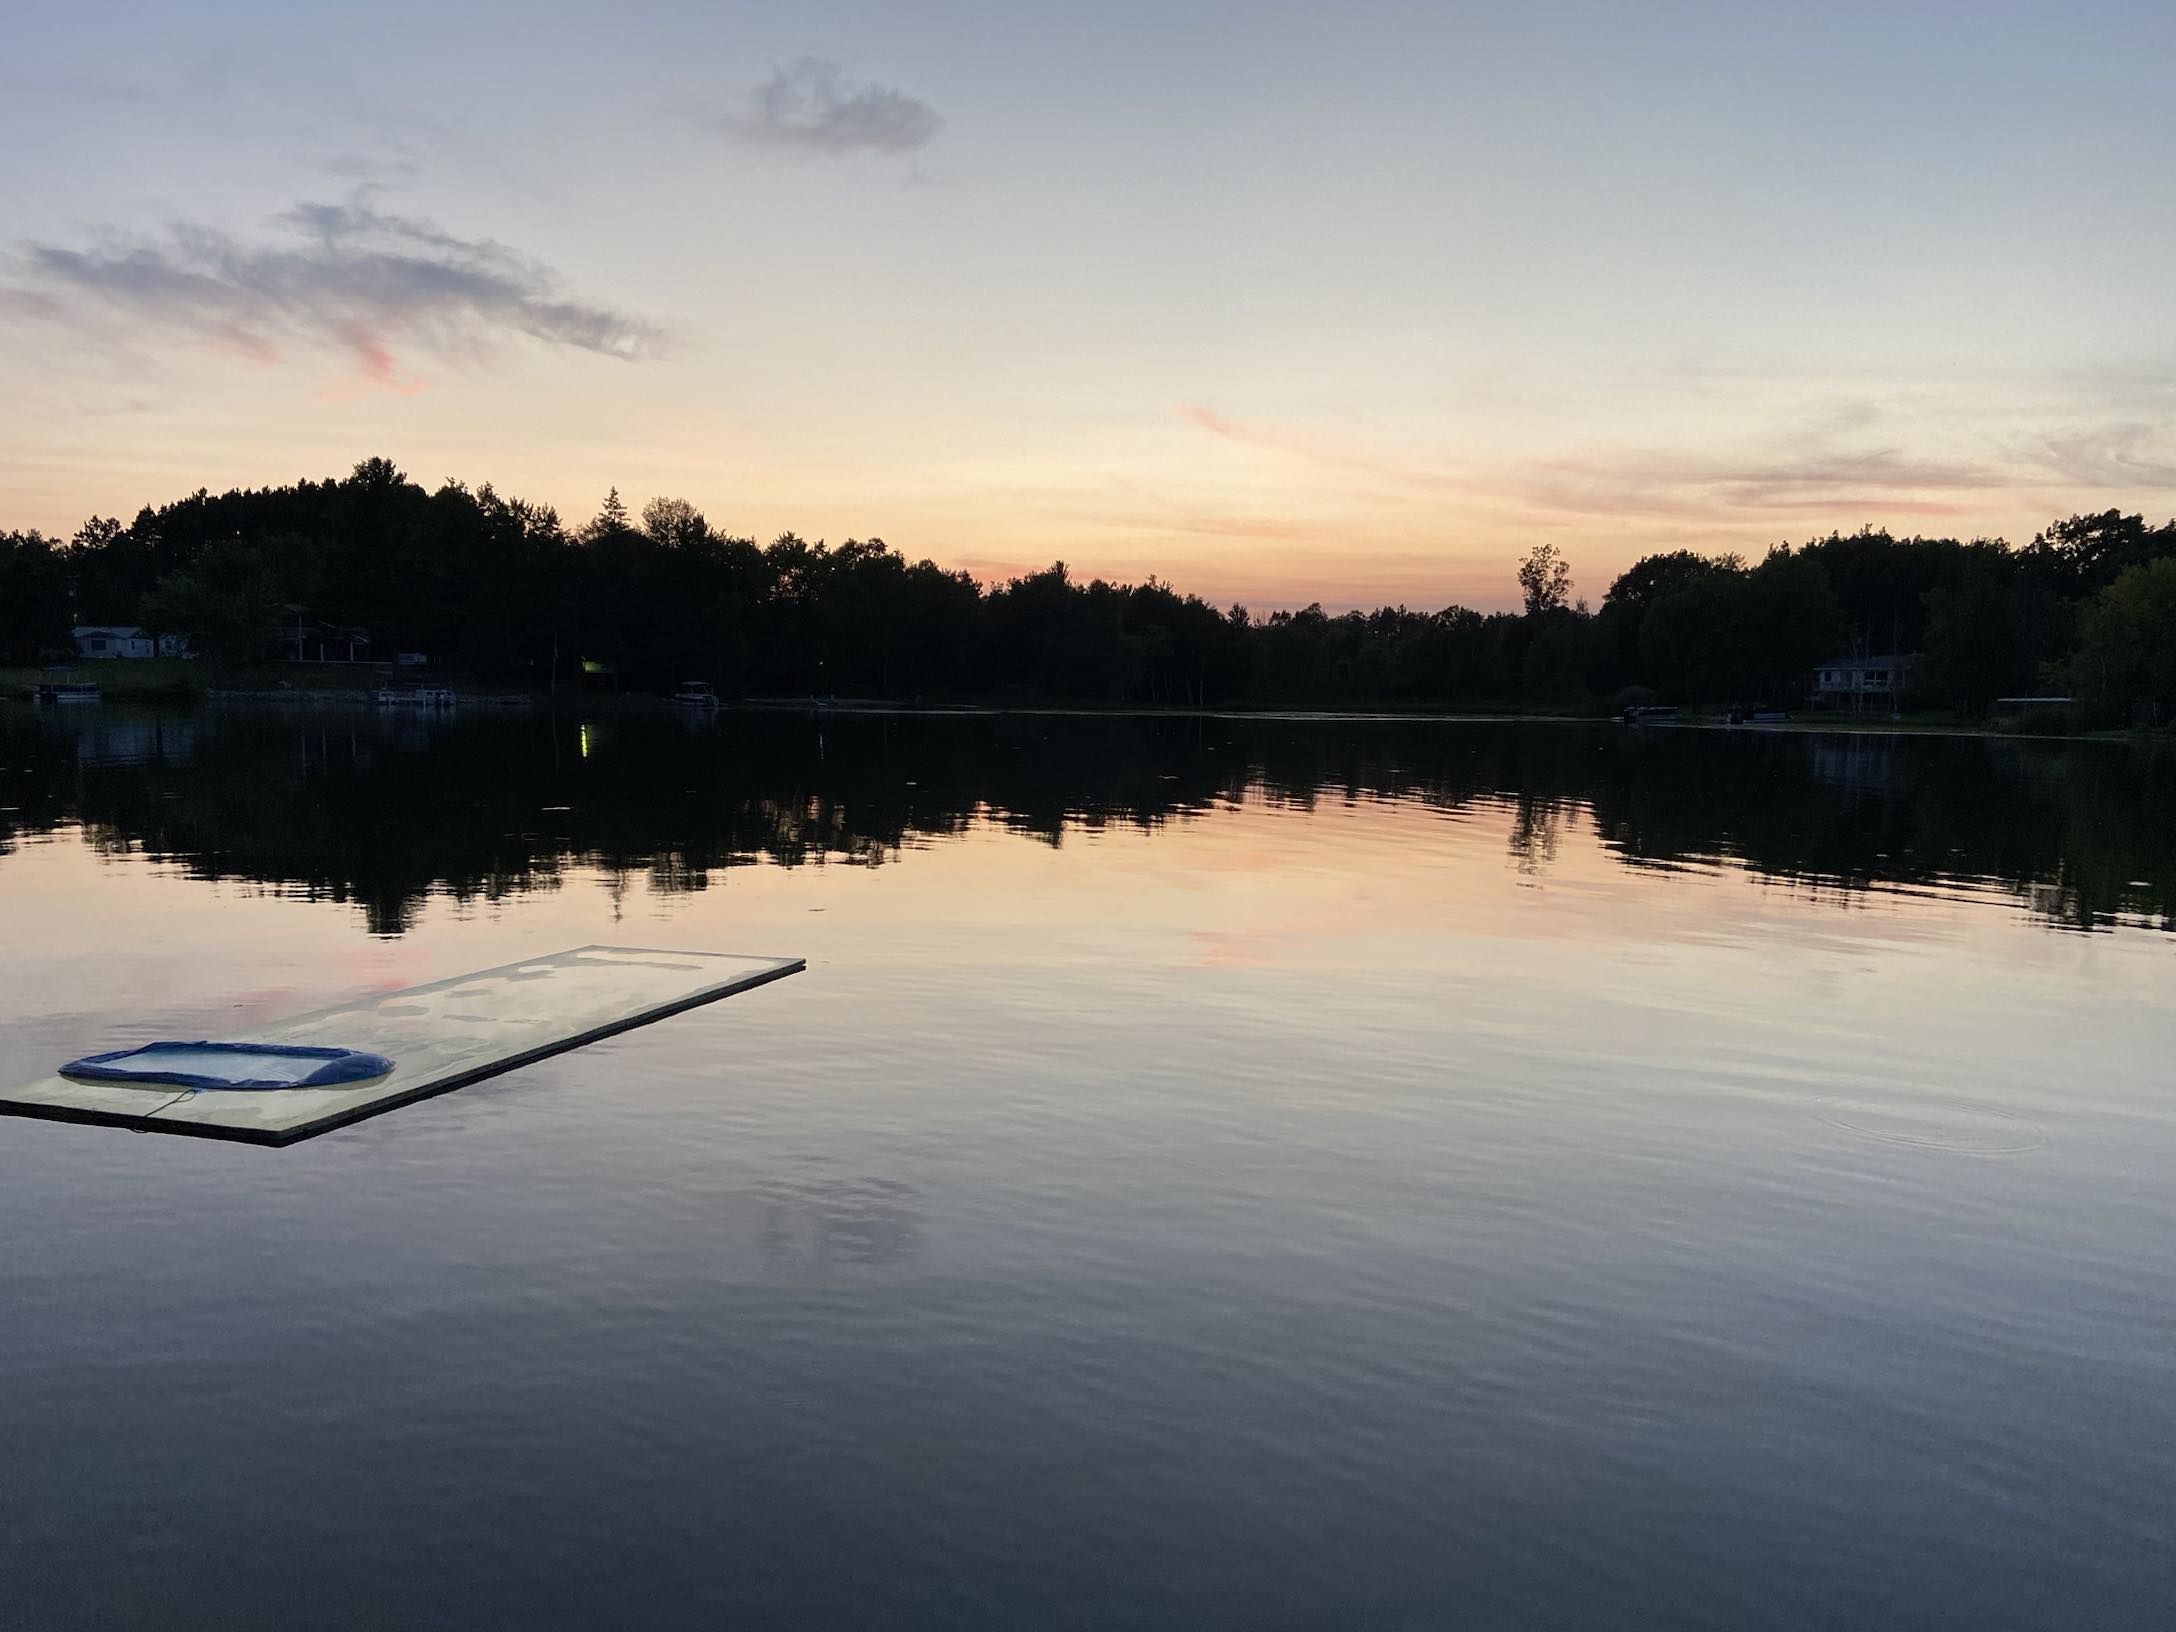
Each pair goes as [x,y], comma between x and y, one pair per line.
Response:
[1536,827]
[383,813]
[2081,833]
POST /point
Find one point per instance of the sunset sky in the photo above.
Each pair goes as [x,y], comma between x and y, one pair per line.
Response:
[1280,302]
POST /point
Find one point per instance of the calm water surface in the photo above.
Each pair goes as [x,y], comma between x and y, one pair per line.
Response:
[1212,1174]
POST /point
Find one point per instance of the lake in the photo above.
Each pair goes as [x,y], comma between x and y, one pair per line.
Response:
[1213,1173]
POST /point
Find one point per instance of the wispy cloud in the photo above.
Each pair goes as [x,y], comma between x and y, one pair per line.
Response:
[1827,468]
[399,163]
[2117,457]
[1316,448]
[1754,484]
[813,108]
[343,277]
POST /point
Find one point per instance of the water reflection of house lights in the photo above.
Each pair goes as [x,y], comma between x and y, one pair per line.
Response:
[585,742]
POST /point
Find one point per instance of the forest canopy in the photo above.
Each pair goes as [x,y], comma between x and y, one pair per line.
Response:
[506,591]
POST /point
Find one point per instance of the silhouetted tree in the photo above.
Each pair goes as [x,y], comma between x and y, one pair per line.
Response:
[673,524]
[34,617]
[1983,639]
[611,515]
[2127,639]
[228,604]
[1545,580]
[2089,552]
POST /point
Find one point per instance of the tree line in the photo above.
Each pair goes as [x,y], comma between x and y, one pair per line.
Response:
[506,591]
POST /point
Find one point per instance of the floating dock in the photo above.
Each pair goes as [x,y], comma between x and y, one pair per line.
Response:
[442,1036]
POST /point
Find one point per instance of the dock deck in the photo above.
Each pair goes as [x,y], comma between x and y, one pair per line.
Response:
[440,1036]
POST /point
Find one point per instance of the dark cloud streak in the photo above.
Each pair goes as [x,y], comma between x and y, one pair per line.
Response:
[345,276]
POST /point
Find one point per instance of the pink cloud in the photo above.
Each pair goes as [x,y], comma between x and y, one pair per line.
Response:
[377,365]
[1319,450]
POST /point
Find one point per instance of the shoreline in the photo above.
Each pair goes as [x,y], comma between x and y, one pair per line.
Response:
[607,703]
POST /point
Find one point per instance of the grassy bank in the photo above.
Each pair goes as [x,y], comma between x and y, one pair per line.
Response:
[171,679]
[149,679]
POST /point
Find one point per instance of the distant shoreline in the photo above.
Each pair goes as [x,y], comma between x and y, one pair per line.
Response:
[165,689]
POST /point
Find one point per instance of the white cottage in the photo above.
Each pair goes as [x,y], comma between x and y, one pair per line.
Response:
[104,640]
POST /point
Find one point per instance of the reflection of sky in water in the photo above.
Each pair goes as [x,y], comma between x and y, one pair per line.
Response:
[1337,1202]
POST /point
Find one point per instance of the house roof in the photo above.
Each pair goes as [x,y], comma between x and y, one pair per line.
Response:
[123,631]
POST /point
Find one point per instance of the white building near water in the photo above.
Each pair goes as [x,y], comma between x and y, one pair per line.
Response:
[1864,682]
[104,640]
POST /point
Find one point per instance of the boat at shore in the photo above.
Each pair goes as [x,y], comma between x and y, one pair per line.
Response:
[695,694]
[60,686]
[413,697]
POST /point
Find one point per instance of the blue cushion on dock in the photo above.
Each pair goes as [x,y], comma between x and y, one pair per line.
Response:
[229,1065]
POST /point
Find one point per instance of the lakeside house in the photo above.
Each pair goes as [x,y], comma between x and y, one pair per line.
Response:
[102,641]
[1859,683]
[325,643]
